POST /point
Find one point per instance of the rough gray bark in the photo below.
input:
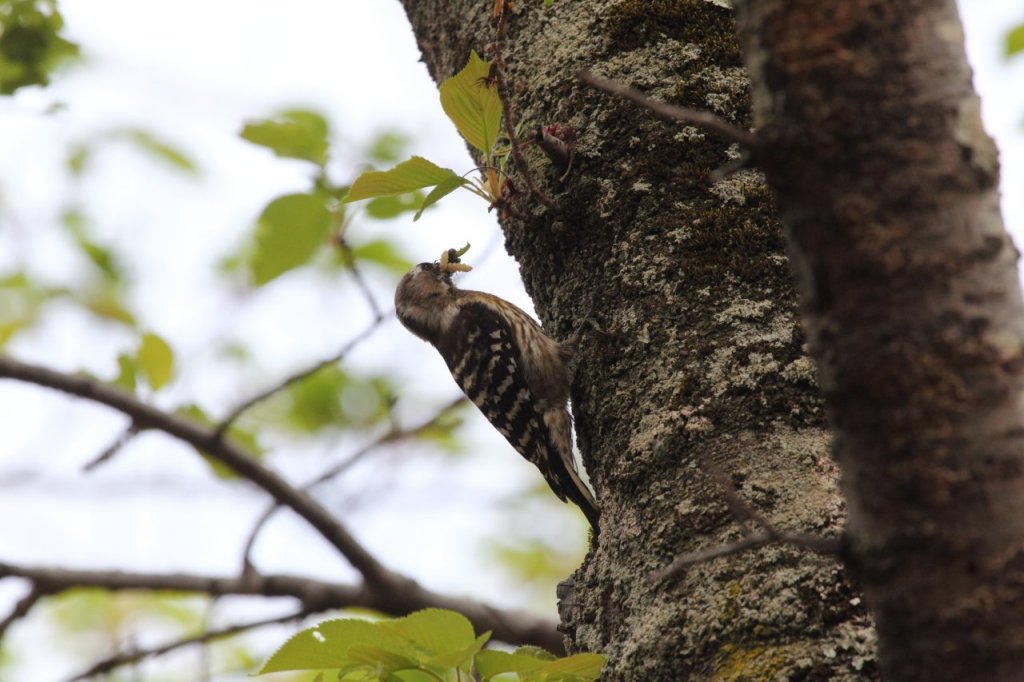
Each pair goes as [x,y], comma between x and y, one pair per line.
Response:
[913,311]
[707,368]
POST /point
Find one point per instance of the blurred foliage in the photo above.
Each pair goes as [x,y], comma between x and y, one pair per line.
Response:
[292,134]
[289,231]
[236,433]
[1014,42]
[31,45]
[433,644]
[329,399]
[294,229]
[528,559]
[307,228]
[149,143]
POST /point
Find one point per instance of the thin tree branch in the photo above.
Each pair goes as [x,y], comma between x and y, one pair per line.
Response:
[21,608]
[701,119]
[131,657]
[394,435]
[292,379]
[115,446]
[208,441]
[360,281]
[743,511]
[315,595]
[816,544]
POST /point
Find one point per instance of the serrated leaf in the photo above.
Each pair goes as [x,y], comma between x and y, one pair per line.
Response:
[433,631]
[382,252]
[294,134]
[443,189]
[159,149]
[471,101]
[536,652]
[323,646]
[288,233]
[410,175]
[1014,41]
[156,360]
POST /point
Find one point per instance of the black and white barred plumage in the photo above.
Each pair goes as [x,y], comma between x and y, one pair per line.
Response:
[505,363]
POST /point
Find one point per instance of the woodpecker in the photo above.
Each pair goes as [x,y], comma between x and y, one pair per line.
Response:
[504,362]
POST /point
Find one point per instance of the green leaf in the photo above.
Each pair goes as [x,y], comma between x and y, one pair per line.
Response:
[412,174]
[387,147]
[536,652]
[107,304]
[375,656]
[294,134]
[288,233]
[386,208]
[31,46]
[436,633]
[443,189]
[460,658]
[78,158]
[314,402]
[1015,40]
[583,667]
[324,646]
[159,149]
[491,662]
[156,360]
[127,368]
[384,253]
[473,105]
[103,258]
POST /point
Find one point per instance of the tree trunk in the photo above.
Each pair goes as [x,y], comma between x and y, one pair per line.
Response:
[914,314]
[706,371]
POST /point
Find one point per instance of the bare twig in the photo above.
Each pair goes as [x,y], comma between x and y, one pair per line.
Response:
[132,657]
[293,379]
[209,441]
[743,511]
[115,446]
[314,595]
[21,608]
[394,435]
[702,119]
[818,544]
[509,115]
[357,275]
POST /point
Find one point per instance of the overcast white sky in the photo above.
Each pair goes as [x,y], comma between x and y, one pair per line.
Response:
[193,71]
